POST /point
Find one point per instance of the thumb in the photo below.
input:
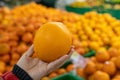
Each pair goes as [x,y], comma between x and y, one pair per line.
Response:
[57,63]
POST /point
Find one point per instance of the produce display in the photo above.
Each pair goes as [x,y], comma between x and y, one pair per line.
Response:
[112,1]
[86,3]
[91,31]
[109,6]
[95,3]
[58,72]
[18,27]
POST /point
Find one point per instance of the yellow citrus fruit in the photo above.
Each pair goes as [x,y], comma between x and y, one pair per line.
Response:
[52,41]
[117,62]
[45,78]
[99,75]
[91,77]
[117,77]
[61,71]
[109,67]
[99,66]
[90,68]
[113,52]
[102,56]
[80,72]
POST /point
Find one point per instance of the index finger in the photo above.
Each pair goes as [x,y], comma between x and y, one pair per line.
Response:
[29,52]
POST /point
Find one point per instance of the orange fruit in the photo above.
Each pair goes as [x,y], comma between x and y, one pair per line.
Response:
[13,43]
[8,68]
[77,43]
[52,41]
[2,66]
[13,62]
[99,75]
[15,56]
[27,37]
[102,56]
[5,58]
[22,48]
[0,73]
[4,48]
[117,62]
[45,78]
[20,30]
[91,77]
[80,72]
[53,74]
[30,28]
[113,59]
[81,51]
[61,71]
[70,67]
[93,58]
[113,52]
[99,66]
[109,67]
[117,77]
[90,68]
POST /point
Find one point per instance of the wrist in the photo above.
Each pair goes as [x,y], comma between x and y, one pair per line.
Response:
[36,76]
[20,73]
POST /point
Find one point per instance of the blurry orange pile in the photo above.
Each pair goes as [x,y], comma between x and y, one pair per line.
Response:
[105,65]
[90,31]
[18,26]
[58,72]
[96,31]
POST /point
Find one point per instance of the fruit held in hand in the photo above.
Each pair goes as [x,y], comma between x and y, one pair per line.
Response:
[52,41]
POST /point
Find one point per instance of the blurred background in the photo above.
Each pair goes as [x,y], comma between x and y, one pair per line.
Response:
[94,25]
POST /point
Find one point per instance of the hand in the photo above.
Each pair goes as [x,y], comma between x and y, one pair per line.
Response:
[37,68]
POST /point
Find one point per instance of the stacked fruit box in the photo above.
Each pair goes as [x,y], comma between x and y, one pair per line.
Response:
[109,6]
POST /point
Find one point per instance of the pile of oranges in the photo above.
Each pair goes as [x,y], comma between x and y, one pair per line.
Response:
[95,31]
[105,65]
[100,32]
[17,29]
[58,72]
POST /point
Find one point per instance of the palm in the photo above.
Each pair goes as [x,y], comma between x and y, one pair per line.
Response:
[37,68]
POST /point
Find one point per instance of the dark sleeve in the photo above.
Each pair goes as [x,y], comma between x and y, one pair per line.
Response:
[20,73]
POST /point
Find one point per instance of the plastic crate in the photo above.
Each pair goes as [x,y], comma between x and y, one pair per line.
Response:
[68,76]
[66,64]
[100,9]
[78,10]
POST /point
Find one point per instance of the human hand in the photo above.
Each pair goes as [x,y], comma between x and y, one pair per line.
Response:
[37,68]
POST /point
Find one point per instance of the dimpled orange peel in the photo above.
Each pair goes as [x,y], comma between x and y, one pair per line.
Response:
[52,41]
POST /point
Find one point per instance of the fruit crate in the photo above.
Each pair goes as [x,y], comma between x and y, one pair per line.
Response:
[66,64]
[100,9]
[68,76]
[78,10]
[112,1]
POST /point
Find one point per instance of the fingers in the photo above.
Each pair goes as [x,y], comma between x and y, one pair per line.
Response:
[68,56]
[71,51]
[61,61]
[56,64]
[29,52]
